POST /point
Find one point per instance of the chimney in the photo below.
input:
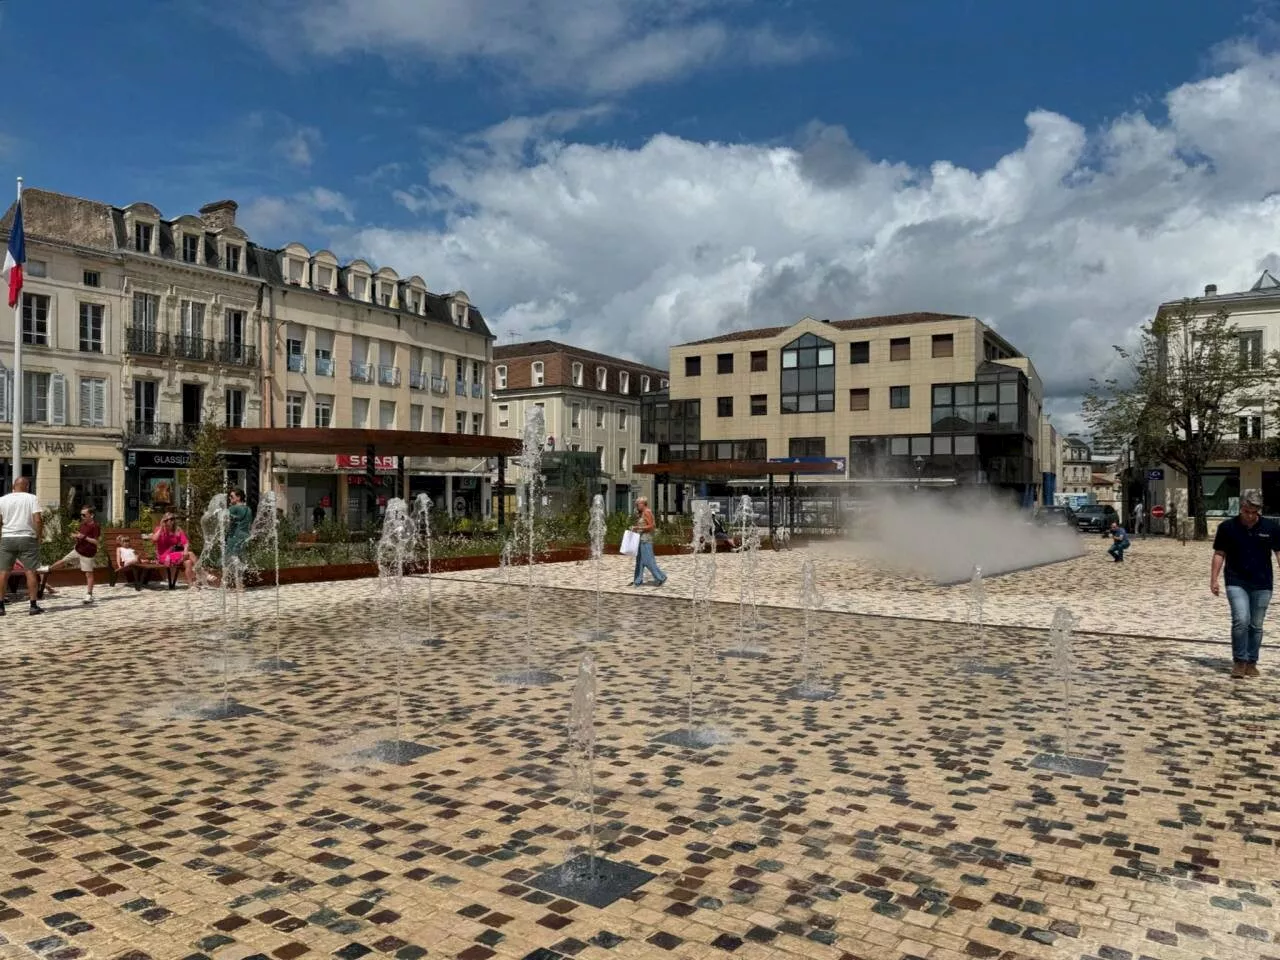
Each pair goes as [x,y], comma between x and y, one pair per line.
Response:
[1211,290]
[220,214]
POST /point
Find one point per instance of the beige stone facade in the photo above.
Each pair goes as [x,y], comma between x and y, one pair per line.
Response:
[591,404]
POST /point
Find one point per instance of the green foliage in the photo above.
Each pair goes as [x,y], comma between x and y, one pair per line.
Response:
[1185,385]
[60,528]
[206,474]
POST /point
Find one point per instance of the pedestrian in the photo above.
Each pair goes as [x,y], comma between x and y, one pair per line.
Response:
[1119,542]
[1138,518]
[173,548]
[1243,547]
[317,517]
[645,559]
[83,552]
[21,527]
[239,523]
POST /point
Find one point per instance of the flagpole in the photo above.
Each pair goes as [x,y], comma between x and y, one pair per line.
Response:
[16,406]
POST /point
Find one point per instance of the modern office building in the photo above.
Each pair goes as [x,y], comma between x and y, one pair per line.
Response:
[591,404]
[928,398]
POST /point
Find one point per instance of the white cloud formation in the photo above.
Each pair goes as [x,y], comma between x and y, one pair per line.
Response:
[1066,244]
[308,213]
[298,146]
[604,46]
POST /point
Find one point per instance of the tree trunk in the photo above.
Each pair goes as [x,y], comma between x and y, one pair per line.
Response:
[1195,503]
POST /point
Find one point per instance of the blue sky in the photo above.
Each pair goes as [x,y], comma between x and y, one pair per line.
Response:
[531,152]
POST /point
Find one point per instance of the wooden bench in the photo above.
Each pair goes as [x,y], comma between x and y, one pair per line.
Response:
[17,583]
[138,573]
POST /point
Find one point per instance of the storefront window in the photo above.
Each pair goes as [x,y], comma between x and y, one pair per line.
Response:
[87,483]
[6,474]
[1221,491]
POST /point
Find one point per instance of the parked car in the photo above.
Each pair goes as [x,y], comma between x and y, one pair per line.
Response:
[1096,518]
[1056,517]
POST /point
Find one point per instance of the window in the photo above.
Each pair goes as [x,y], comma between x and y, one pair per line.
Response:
[190,248]
[644,383]
[600,458]
[576,370]
[233,258]
[624,382]
[437,419]
[415,417]
[324,278]
[899,446]
[1250,428]
[724,363]
[808,375]
[92,278]
[142,234]
[360,412]
[91,327]
[235,327]
[295,361]
[759,404]
[35,319]
[386,415]
[602,378]
[500,377]
[693,366]
[359,287]
[192,314]
[144,403]
[622,460]
[807,447]
[35,397]
[900,348]
[323,416]
[599,417]
[1251,350]
[644,454]
[536,373]
[575,416]
[294,406]
[759,361]
[899,398]
[860,398]
[664,383]
[944,345]
[295,271]
[459,422]
[233,401]
[965,446]
[386,294]
[477,423]
[860,351]
[622,418]
[724,406]
[93,402]
[504,415]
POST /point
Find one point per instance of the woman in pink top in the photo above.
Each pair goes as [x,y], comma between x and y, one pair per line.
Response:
[173,549]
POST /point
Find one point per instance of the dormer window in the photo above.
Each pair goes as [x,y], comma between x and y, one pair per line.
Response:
[190,248]
[142,234]
[536,372]
[295,272]
[644,383]
[233,258]
[384,294]
[602,378]
[360,288]
[665,383]
[324,278]
[577,374]
[500,377]
[624,382]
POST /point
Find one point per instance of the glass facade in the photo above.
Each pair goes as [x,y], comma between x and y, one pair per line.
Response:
[809,375]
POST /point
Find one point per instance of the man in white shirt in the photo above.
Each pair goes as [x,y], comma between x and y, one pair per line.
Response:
[21,527]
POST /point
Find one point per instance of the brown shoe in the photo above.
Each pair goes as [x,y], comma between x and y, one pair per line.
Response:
[1250,669]
[1239,670]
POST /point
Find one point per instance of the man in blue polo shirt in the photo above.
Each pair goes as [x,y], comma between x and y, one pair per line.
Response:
[1244,545]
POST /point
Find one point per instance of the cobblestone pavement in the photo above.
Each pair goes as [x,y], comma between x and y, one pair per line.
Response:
[903,818]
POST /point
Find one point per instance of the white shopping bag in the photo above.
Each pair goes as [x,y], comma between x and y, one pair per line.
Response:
[630,543]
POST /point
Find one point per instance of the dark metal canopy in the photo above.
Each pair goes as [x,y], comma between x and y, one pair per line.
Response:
[388,443]
[733,469]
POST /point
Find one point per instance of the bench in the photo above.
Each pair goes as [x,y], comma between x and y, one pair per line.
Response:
[138,573]
[17,583]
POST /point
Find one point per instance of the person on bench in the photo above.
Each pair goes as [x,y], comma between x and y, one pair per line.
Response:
[173,549]
[125,559]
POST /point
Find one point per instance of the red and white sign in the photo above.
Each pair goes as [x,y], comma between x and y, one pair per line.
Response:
[1157,512]
[348,461]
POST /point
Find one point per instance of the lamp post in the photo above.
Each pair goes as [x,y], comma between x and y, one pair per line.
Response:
[919,462]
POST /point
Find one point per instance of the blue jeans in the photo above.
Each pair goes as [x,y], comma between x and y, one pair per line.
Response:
[1117,549]
[1248,610]
[645,560]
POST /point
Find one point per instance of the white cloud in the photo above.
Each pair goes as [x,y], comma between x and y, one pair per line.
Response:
[279,220]
[605,46]
[298,146]
[1066,244]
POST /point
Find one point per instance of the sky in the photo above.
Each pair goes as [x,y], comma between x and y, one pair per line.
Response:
[629,174]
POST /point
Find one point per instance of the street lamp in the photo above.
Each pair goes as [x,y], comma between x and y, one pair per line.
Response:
[919,462]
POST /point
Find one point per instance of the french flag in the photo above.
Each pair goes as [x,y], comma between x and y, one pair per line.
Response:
[15,257]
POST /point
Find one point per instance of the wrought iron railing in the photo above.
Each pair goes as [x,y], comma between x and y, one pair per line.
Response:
[460,387]
[193,348]
[324,366]
[417,380]
[237,354]
[145,341]
[297,363]
[149,433]
[388,375]
[439,384]
[361,372]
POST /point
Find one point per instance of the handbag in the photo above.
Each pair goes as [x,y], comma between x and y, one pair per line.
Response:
[630,543]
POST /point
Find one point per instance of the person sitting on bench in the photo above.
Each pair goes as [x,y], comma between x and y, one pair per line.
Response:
[173,549]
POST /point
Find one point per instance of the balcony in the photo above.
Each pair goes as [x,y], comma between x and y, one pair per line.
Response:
[150,433]
[477,391]
[297,363]
[460,387]
[237,354]
[388,375]
[324,366]
[417,380]
[361,372]
[146,342]
[439,385]
[193,348]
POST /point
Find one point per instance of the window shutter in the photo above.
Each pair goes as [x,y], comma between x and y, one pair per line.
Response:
[86,402]
[58,400]
[99,403]
[6,393]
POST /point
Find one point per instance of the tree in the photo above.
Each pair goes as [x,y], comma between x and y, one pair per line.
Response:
[1189,379]
[206,474]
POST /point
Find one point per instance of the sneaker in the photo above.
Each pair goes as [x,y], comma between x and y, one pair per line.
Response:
[35,610]
[1250,669]
[1239,670]
[88,598]
[661,582]
[44,568]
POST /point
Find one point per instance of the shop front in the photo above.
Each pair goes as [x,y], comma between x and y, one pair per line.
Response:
[156,480]
[69,472]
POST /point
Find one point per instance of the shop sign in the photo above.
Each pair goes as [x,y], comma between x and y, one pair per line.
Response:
[179,459]
[50,448]
[352,462]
